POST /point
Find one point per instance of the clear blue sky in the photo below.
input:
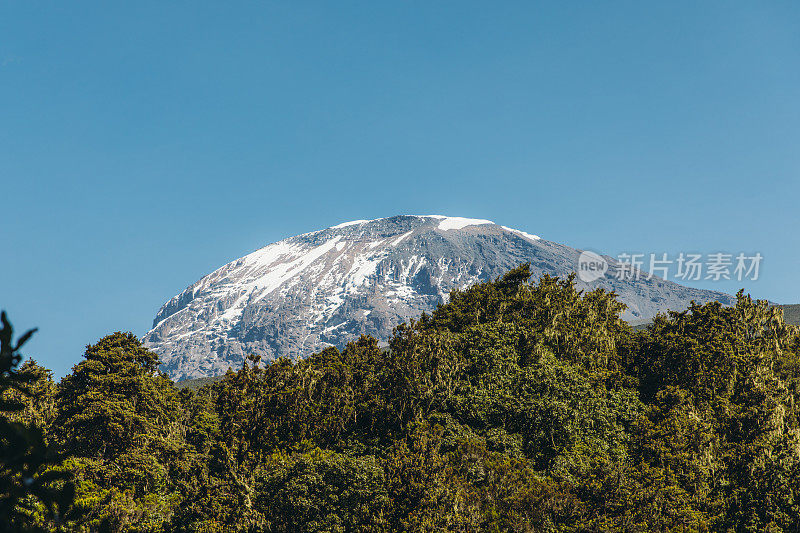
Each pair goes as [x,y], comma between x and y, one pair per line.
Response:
[143,146]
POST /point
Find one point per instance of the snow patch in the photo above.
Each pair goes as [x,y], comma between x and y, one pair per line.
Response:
[400,238]
[351,223]
[522,233]
[449,223]
[277,272]
[362,269]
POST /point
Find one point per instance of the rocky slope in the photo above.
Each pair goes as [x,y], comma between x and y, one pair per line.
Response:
[294,297]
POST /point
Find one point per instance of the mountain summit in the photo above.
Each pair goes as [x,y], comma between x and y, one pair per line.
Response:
[293,297]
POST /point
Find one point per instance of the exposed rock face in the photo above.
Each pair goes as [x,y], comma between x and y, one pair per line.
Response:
[296,296]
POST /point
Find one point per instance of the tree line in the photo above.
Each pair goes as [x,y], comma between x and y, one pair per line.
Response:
[516,406]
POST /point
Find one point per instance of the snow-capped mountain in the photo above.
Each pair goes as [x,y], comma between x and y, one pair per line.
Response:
[295,296]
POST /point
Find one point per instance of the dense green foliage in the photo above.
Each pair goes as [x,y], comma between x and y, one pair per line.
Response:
[34,494]
[514,407]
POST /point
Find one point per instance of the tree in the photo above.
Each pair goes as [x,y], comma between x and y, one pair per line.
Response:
[33,494]
[120,421]
[722,422]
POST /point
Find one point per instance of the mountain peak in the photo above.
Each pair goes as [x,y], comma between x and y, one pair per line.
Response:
[444,222]
[293,297]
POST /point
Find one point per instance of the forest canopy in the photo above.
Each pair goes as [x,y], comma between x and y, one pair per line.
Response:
[516,406]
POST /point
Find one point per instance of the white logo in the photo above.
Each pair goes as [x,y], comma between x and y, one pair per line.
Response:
[591,267]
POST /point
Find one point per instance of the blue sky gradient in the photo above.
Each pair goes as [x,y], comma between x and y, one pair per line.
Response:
[142,146]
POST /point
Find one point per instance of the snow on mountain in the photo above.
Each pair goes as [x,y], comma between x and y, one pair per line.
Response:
[293,297]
